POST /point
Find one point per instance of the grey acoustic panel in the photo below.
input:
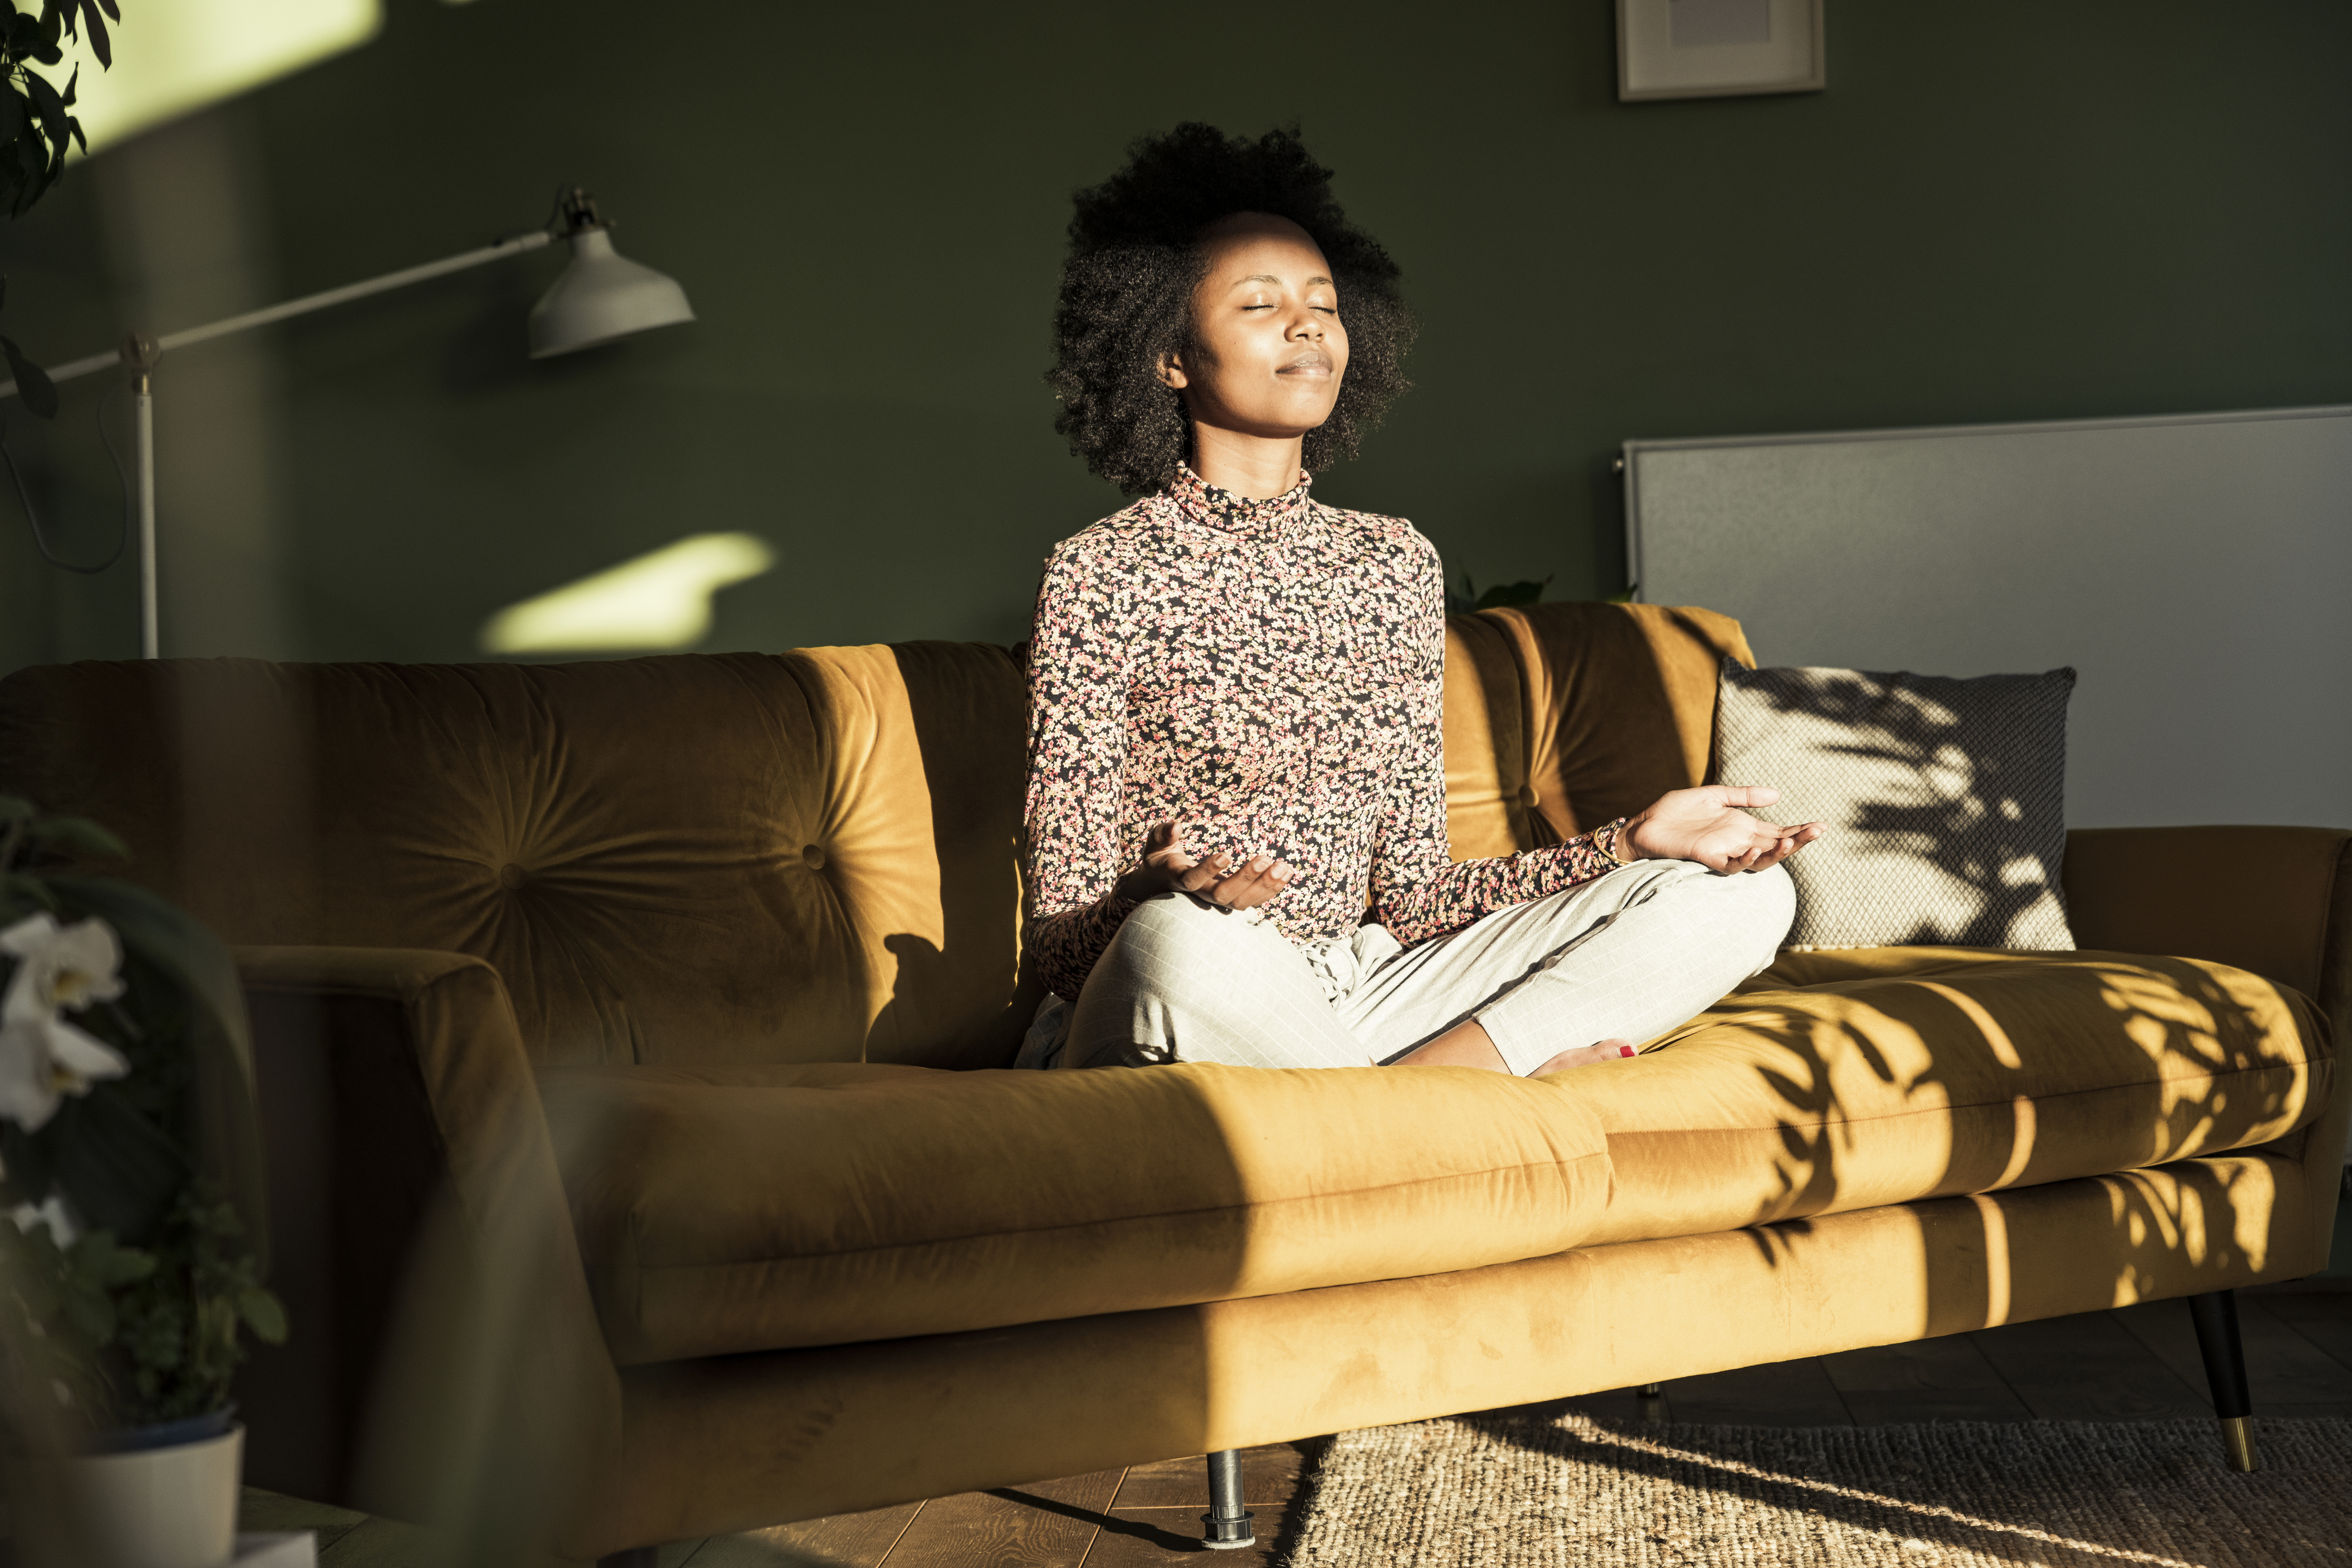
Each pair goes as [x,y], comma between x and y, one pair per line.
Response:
[2196,571]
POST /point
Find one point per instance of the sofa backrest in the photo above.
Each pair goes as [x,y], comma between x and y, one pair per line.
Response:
[1560,717]
[732,858]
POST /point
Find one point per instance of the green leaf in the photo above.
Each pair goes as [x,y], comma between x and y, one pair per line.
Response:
[80,836]
[46,102]
[220,1042]
[95,27]
[121,1169]
[102,1260]
[1511,594]
[33,383]
[264,1312]
[73,85]
[15,807]
[112,15]
[26,1157]
[31,889]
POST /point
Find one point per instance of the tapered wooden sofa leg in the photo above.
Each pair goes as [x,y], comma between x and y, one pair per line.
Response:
[2216,1316]
[1227,1522]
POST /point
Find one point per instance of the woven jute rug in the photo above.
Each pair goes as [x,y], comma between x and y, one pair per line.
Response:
[1480,1492]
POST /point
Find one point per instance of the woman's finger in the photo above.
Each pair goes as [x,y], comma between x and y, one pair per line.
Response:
[1259,881]
[1204,874]
[1239,889]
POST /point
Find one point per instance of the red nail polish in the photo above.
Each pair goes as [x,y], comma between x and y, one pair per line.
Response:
[1624,1050]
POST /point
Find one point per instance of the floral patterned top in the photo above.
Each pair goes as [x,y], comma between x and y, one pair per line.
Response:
[1269,675]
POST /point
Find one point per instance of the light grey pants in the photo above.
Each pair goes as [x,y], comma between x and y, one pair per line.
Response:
[1626,957]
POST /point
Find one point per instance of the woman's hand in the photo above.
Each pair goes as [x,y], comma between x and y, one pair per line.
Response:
[1704,825]
[1168,869]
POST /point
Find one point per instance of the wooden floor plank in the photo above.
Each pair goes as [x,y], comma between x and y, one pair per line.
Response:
[2088,1368]
[2282,1366]
[1149,1537]
[2326,1321]
[1269,1476]
[1780,1394]
[258,1511]
[1945,1379]
[1050,1524]
[379,1542]
[845,1539]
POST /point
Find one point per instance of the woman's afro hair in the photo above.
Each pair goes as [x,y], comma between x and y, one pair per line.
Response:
[1127,293]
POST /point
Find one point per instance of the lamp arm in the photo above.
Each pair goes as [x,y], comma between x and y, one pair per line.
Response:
[533,240]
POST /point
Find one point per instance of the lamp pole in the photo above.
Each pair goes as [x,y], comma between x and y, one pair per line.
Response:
[140,352]
[601,296]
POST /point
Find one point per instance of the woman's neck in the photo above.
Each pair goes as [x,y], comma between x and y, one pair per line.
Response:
[1255,467]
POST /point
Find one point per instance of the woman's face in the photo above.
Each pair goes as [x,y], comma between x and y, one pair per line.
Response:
[1268,349]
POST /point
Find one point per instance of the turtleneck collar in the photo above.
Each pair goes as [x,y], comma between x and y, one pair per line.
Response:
[1196,501]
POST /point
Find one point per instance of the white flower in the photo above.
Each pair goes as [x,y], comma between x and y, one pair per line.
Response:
[42,1057]
[50,1212]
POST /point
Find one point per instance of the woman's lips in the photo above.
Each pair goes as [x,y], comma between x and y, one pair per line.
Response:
[1308,365]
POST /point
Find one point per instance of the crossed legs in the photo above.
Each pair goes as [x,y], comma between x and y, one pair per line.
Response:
[1627,956]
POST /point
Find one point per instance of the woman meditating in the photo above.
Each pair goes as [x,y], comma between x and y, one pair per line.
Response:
[1237,843]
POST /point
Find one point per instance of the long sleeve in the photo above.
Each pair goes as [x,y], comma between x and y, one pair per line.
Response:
[1079,666]
[1418,890]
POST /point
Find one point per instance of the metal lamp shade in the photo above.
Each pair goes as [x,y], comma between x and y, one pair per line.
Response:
[603,296]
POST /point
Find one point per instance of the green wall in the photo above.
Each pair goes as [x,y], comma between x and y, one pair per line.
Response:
[2007,211]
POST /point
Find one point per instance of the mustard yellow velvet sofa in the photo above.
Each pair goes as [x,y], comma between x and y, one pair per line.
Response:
[658,1013]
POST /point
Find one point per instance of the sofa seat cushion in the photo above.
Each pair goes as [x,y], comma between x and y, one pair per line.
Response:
[1839,1080]
[747,1208]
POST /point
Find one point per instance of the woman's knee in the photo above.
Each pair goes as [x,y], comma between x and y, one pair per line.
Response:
[1765,906]
[1170,940]
[1746,912]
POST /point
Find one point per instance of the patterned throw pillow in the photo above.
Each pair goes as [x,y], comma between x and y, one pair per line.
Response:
[1945,800]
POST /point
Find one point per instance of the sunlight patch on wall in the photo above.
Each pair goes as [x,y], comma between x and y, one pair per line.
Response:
[657,603]
[173,56]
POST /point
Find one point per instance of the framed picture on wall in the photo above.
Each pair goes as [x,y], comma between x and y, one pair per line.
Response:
[1718,48]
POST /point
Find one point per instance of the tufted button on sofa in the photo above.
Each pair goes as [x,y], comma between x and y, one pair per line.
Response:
[634,1041]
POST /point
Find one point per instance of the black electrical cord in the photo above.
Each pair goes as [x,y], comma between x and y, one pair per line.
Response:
[25,497]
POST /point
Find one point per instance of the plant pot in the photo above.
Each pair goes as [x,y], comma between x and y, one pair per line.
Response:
[164,1496]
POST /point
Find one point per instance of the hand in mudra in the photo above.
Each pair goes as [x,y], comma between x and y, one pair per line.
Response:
[1167,868]
[1706,825]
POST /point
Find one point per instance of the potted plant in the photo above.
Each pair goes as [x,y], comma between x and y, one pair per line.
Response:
[133,1248]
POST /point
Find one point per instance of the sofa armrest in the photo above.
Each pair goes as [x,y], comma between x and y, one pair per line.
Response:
[429,1267]
[2277,902]
[2274,901]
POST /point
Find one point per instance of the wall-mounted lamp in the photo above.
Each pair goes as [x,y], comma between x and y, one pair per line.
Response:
[601,296]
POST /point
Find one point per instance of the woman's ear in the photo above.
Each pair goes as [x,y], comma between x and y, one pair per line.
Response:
[1171,372]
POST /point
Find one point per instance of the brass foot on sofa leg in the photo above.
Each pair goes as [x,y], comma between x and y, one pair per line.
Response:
[2238,1442]
[1226,1526]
